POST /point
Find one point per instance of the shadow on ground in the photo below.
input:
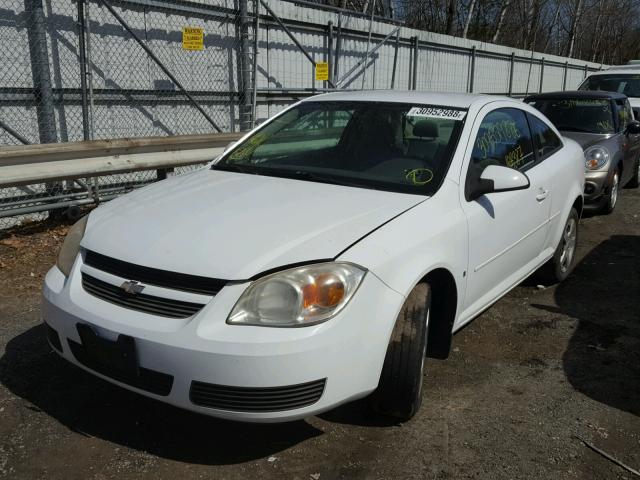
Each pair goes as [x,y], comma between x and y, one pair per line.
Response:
[93,407]
[602,360]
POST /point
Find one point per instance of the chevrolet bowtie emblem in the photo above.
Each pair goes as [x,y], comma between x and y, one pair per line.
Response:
[132,287]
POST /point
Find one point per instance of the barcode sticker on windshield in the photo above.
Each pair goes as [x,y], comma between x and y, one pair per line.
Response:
[434,112]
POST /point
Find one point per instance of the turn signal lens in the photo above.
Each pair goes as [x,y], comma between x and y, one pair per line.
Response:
[596,157]
[324,291]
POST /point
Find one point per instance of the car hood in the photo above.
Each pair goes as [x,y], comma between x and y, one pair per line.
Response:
[233,226]
[585,139]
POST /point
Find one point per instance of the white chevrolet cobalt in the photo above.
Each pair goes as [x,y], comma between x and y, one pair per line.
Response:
[321,258]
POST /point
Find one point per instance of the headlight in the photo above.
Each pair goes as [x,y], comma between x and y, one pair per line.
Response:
[596,157]
[298,297]
[71,246]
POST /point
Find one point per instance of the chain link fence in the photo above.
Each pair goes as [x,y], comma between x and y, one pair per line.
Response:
[80,70]
[89,70]
[74,70]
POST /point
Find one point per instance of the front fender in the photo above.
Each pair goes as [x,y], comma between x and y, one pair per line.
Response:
[431,235]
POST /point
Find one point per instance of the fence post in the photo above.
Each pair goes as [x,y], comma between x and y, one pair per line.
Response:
[254,66]
[416,51]
[83,70]
[564,77]
[40,71]
[329,51]
[336,70]
[472,70]
[541,75]
[395,60]
[586,70]
[313,73]
[245,88]
[511,68]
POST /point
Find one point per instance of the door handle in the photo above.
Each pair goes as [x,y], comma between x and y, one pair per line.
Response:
[542,195]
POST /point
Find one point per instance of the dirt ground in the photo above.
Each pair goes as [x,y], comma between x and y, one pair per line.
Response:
[542,366]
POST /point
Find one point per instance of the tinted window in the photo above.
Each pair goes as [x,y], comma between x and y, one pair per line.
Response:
[586,115]
[545,140]
[624,113]
[389,146]
[629,84]
[503,139]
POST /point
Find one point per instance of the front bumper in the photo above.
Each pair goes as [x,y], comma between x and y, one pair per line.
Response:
[596,186]
[348,350]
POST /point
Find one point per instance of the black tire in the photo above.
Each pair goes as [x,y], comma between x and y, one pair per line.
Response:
[635,178]
[612,197]
[399,393]
[559,267]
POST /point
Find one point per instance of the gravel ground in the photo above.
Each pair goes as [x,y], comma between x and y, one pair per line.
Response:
[540,367]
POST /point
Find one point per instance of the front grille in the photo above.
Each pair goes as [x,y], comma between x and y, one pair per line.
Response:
[154,276]
[148,380]
[141,302]
[246,399]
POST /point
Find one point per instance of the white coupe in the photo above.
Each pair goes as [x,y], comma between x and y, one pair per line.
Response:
[321,258]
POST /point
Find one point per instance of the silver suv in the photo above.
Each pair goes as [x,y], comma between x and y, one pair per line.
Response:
[621,79]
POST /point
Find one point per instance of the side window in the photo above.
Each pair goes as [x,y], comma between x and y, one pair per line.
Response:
[630,115]
[625,115]
[545,141]
[503,139]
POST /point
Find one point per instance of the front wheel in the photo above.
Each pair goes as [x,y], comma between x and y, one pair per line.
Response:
[561,264]
[612,198]
[399,393]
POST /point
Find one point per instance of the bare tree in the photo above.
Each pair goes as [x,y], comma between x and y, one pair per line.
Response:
[472,4]
[598,30]
[503,12]
[451,17]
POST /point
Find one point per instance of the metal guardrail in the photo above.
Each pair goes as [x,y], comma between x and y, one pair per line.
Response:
[62,177]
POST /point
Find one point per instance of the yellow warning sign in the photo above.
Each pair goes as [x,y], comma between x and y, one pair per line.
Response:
[322,71]
[192,38]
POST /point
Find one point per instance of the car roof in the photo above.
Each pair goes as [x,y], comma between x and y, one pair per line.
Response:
[456,100]
[628,69]
[576,94]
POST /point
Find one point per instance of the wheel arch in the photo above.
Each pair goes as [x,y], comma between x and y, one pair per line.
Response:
[444,303]
[578,204]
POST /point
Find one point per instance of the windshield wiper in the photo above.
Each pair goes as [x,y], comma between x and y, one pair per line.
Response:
[233,167]
[316,177]
[291,173]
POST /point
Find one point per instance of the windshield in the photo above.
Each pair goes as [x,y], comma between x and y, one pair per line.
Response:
[387,146]
[578,115]
[629,84]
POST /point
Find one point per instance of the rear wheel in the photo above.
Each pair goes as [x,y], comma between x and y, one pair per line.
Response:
[561,264]
[399,393]
[612,198]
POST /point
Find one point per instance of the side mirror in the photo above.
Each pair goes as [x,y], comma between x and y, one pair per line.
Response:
[496,178]
[633,128]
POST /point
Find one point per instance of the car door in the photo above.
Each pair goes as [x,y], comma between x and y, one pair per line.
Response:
[629,144]
[507,230]
[548,147]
